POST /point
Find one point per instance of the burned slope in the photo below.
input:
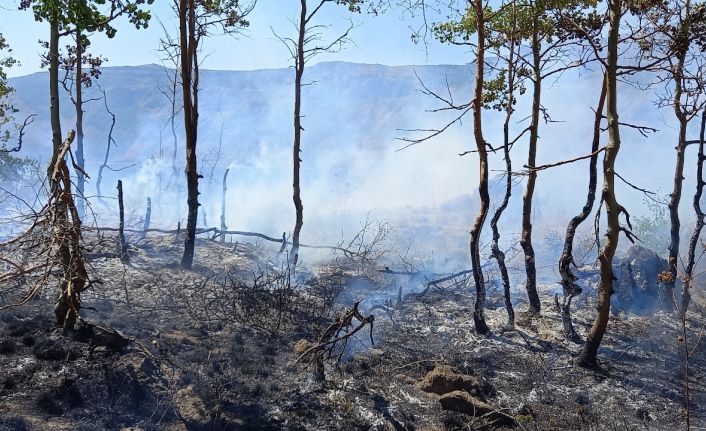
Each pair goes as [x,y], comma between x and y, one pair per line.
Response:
[214,349]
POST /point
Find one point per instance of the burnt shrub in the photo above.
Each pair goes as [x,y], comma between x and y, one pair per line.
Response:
[55,350]
[7,347]
[14,423]
[47,404]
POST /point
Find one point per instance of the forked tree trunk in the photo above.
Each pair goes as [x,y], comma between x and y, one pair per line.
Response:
[479,308]
[588,354]
[535,305]
[104,165]
[498,254]
[296,152]
[571,289]
[190,84]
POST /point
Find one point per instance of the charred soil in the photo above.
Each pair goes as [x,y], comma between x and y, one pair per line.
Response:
[213,348]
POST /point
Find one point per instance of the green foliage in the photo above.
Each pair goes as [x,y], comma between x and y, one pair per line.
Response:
[15,169]
[513,24]
[89,15]
[654,227]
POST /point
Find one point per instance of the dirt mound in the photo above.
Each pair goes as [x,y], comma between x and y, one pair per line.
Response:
[444,379]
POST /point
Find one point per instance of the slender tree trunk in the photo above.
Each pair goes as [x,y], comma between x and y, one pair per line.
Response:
[148,214]
[535,305]
[121,226]
[296,153]
[675,196]
[224,227]
[80,160]
[498,254]
[571,289]
[588,354]
[104,165]
[479,309]
[54,92]
[693,243]
[190,82]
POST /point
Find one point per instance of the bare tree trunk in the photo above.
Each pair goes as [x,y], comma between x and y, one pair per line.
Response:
[571,289]
[190,83]
[479,308]
[691,262]
[495,247]
[535,305]
[104,165]
[296,153]
[224,227]
[148,214]
[80,160]
[121,226]
[675,196]
[588,354]
[54,92]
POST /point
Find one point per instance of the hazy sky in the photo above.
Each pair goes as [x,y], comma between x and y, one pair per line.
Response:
[384,39]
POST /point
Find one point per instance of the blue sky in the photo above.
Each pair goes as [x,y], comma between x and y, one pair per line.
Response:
[381,39]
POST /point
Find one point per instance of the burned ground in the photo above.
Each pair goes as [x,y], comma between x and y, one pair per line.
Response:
[214,349]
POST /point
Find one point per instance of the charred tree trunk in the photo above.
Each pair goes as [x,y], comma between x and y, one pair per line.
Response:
[588,354]
[148,214]
[691,262]
[190,83]
[571,289]
[296,153]
[80,160]
[535,305]
[479,309]
[121,226]
[498,254]
[224,227]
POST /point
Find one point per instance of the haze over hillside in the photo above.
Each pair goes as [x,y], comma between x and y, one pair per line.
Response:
[351,166]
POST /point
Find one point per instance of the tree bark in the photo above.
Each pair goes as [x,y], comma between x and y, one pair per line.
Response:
[296,153]
[571,289]
[535,305]
[479,308]
[190,83]
[589,352]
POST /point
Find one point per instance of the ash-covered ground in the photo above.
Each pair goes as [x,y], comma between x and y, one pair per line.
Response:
[216,348]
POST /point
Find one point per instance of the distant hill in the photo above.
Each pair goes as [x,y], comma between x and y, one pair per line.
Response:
[349,107]
[351,166]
